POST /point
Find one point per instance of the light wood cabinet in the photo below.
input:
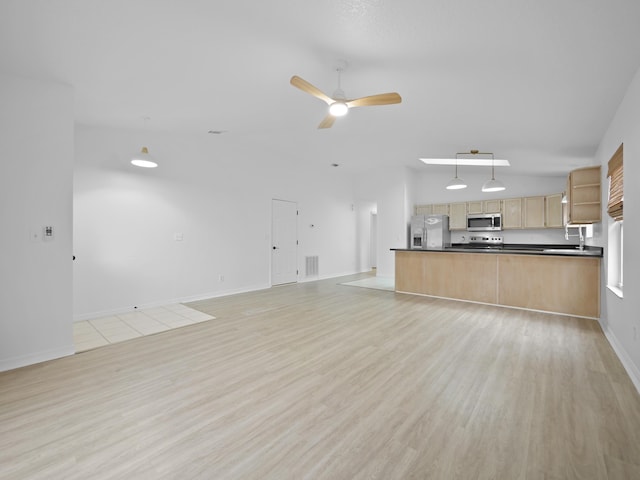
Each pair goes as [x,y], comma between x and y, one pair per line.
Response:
[465,276]
[492,206]
[528,212]
[512,213]
[440,209]
[423,210]
[475,207]
[553,211]
[567,285]
[457,216]
[533,212]
[583,196]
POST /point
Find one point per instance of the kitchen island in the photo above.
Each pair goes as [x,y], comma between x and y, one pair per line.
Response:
[547,278]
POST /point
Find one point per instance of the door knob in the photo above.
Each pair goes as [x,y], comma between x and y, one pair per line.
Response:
[275,248]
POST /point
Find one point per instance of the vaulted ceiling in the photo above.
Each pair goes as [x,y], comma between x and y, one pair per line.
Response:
[536,82]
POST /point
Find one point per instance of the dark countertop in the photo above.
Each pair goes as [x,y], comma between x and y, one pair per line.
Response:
[518,249]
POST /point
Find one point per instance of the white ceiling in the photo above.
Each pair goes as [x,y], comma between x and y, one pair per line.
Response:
[536,82]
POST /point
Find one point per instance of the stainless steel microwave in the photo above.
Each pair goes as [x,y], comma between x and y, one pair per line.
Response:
[484,222]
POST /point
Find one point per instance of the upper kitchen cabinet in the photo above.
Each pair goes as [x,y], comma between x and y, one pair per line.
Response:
[533,212]
[457,216]
[492,206]
[512,213]
[484,206]
[475,207]
[553,211]
[424,210]
[583,196]
[440,209]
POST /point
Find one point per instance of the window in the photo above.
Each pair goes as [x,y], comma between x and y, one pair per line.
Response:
[615,238]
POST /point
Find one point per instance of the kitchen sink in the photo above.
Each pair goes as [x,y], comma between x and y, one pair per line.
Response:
[572,251]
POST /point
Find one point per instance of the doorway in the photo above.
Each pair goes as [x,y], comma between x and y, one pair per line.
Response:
[284,242]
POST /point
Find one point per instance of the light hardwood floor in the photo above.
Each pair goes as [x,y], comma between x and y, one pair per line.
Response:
[326,381]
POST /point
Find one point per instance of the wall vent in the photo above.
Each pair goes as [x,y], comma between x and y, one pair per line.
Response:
[311,266]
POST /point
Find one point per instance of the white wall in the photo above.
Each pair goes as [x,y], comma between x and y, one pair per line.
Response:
[216,192]
[388,188]
[364,241]
[620,319]
[36,174]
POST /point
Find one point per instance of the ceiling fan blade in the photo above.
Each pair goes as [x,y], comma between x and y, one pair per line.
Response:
[327,121]
[381,99]
[310,89]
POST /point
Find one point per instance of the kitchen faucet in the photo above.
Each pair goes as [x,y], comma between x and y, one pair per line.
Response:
[580,235]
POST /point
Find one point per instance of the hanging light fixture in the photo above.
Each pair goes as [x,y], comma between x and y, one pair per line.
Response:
[144,159]
[492,185]
[456,183]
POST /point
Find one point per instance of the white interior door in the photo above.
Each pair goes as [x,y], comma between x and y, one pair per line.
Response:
[284,242]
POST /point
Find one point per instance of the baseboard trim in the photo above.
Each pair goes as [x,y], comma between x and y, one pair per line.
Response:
[631,369]
[36,357]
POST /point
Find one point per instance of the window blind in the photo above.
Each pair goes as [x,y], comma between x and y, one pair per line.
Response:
[616,191]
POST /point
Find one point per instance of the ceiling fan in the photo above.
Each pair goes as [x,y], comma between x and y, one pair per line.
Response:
[339,105]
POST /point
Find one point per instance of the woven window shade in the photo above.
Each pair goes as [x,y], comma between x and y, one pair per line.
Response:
[616,184]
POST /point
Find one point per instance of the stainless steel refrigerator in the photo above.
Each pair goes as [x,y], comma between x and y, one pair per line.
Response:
[430,232]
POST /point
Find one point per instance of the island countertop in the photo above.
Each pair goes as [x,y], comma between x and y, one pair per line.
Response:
[516,249]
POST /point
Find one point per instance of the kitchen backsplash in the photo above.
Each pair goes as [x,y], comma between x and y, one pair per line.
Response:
[546,236]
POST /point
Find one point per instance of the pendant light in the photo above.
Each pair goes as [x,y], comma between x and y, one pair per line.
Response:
[493,185]
[144,159]
[456,183]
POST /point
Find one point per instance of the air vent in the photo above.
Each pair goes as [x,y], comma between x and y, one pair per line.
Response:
[311,266]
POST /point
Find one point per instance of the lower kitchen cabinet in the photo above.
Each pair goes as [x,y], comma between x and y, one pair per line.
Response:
[551,283]
[568,285]
[465,276]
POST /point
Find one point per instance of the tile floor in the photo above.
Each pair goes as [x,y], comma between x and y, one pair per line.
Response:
[97,332]
[378,283]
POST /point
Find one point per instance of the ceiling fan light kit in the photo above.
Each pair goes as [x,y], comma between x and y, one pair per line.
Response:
[338,109]
[338,104]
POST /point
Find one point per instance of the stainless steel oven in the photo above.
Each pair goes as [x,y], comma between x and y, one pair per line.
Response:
[484,222]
